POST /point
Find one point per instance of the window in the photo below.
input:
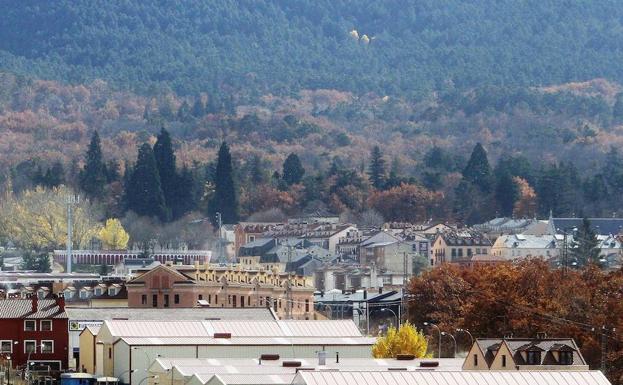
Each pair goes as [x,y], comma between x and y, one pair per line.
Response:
[166,300]
[45,326]
[209,298]
[47,346]
[144,299]
[69,294]
[460,252]
[30,326]
[469,252]
[30,346]
[110,353]
[453,253]
[534,357]
[477,251]
[484,251]
[234,299]
[215,298]
[154,300]
[242,301]
[475,359]
[566,358]
[6,346]
[176,299]
[306,305]
[503,360]
[98,291]
[112,291]
[201,297]
[251,238]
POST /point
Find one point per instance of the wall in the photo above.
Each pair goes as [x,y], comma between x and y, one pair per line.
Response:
[87,352]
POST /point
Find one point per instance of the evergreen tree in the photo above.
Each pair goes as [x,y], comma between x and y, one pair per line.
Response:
[585,247]
[225,200]
[165,161]
[185,193]
[617,109]
[55,176]
[93,177]
[506,193]
[144,192]
[198,109]
[376,169]
[256,171]
[112,171]
[213,106]
[183,112]
[293,170]
[478,170]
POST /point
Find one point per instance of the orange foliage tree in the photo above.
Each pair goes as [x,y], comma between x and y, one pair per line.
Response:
[407,202]
[524,299]
[525,205]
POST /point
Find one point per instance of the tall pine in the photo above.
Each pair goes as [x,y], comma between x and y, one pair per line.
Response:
[478,170]
[165,161]
[93,175]
[144,192]
[585,246]
[376,169]
[225,200]
[293,170]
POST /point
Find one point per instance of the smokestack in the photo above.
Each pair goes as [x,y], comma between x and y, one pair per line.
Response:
[35,303]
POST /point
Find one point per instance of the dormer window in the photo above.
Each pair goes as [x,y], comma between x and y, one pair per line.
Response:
[98,291]
[112,291]
[566,358]
[68,294]
[533,357]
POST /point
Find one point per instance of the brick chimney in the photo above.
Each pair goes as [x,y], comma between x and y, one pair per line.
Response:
[60,302]
[35,303]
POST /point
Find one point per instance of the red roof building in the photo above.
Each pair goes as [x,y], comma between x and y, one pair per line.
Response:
[36,331]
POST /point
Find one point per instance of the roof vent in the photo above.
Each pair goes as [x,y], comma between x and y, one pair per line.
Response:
[291,364]
[222,335]
[405,357]
[269,357]
[397,369]
[429,364]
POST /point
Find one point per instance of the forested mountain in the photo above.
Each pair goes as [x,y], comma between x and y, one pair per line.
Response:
[389,47]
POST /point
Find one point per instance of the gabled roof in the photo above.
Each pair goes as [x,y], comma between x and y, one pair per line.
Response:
[517,345]
[22,308]
[179,276]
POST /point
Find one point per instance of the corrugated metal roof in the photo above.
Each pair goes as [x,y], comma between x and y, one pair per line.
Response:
[134,341]
[186,314]
[22,308]
[452,378]
[250,328]
[245,379]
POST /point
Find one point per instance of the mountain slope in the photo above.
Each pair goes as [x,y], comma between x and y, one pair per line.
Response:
[278,46]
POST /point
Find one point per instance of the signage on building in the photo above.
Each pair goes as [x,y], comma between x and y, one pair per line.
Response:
[80,325]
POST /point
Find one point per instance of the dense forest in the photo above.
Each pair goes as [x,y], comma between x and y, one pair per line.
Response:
[391,48]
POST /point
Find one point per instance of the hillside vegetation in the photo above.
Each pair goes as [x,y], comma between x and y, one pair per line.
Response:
[280,46]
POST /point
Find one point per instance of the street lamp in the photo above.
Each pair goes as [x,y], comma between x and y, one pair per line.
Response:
[453,339]
[469,334]
[141,381]
[439,331]
[395,315]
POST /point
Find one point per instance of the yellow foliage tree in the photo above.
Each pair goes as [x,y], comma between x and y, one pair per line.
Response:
[406,340]
[113,235]
[37,219]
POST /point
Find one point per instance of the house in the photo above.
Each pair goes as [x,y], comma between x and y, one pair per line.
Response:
[391,254]
[558,354]
[179,286]
[324,235]
[34,331]
[518,246]
[464,247]
[245,232]
[346,276]
[290,255]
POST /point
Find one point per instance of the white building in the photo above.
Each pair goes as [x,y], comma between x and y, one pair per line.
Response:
[517,246]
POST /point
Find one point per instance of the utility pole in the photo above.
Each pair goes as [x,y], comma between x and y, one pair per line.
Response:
[604,348]
[288,298]
[219,221]
[70,200]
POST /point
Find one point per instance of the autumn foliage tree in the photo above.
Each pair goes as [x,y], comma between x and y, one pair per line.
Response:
[525,205]
[406,340]
[524,299]
[407,202]
[113,235]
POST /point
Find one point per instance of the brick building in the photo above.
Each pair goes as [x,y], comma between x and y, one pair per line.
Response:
[290,296]
[36,331]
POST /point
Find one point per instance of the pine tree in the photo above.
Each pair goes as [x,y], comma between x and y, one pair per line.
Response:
[185,193]
[256,171]
[293,170]
[617,109]
[376,169]
[225,199]
[165,161]
[55,176]
[478,170]
[198,109]
[144,192]
[92,177]
[585,247]
[506,193]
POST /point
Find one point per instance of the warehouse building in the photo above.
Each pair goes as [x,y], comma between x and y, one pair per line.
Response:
[126,349]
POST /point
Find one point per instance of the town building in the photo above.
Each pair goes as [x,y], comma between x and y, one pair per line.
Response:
[519,246]
[178,286]
[533,354]
[293,255]
[246,232]
[464,247]
[127,349]
[34,331]
[113,257]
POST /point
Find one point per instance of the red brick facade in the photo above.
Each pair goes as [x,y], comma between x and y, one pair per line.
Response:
[30,322]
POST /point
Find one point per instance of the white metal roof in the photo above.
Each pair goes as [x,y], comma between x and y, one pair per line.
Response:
[134,341]
[452,378]
[247,328]
[251,379]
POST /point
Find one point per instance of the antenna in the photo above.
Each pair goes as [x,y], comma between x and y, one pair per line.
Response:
[70,200]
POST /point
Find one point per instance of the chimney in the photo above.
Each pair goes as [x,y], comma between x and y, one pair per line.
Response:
[35,303]
[60,301]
